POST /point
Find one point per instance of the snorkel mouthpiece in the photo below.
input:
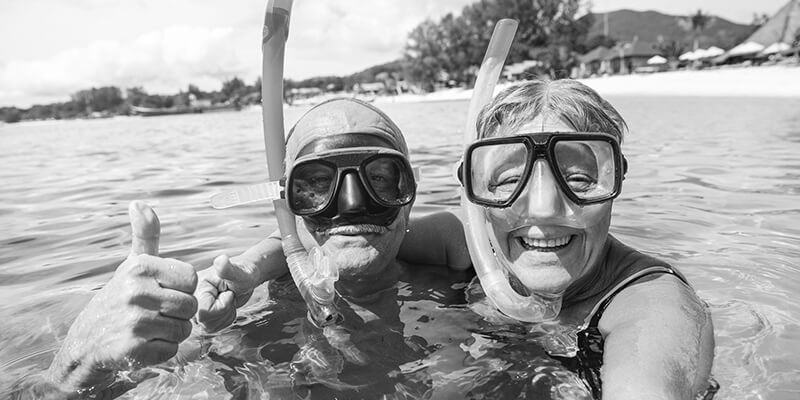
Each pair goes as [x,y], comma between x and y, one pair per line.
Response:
[312,275]
[489,262]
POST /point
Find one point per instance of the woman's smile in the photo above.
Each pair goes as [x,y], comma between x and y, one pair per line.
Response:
[545,244]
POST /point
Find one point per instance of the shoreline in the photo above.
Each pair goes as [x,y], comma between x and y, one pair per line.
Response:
[776,81]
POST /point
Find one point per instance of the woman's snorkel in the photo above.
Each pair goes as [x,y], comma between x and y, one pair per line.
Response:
[312,273]
[489,265]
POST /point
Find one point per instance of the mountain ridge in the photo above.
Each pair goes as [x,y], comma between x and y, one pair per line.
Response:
[654,26]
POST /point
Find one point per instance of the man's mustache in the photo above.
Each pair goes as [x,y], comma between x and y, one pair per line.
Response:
[355,229]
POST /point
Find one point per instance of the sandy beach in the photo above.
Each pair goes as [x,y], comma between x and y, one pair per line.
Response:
[763,81]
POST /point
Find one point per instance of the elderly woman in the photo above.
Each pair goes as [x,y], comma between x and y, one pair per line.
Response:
[544,172]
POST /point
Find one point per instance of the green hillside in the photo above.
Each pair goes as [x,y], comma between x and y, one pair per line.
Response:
[649,26]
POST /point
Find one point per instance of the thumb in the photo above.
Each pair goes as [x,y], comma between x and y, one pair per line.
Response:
[235,278]
[145,229]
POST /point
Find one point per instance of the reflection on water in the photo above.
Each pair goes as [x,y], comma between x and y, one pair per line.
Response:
[711,188]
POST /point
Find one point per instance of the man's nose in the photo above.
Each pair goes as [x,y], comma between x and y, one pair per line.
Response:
[352,196]
[544,197]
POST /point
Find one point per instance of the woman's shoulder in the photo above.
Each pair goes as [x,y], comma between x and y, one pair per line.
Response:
[664,320]
[655,323]
[645,284]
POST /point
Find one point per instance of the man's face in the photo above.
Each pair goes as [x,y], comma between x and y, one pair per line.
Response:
[359,236]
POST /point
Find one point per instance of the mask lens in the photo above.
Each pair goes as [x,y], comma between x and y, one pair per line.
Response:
[390,180]
[587,167]
[311,187]
[496,171]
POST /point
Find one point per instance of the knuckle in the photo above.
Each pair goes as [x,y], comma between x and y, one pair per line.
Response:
[193,280]
[140,265]
[184,330]
[191,305]
[137,295]
[183,271]
[141,326]
[165,352]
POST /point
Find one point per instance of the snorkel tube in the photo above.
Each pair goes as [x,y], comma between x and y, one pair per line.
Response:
[488,264]
[312,274]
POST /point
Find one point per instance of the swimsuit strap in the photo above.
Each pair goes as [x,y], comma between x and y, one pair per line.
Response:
[590,340]
[594,317]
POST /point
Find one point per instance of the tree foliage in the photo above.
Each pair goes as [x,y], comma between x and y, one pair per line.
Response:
[109,100]
[670,49]
[452,48]
[437,53]
[796,41]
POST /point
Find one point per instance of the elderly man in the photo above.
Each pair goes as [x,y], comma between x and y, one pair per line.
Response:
[360,213]
[355,195]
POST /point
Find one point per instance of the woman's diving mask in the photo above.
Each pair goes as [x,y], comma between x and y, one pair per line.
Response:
[588,167]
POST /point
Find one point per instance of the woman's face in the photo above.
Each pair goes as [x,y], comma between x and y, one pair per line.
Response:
[550,241]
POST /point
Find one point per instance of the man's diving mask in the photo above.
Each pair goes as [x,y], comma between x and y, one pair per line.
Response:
[589,167]
[314,181]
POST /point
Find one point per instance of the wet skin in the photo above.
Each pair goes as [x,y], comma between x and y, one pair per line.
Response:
[551,242]
[354,232]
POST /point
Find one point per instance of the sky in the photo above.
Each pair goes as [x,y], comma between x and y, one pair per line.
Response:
[52,48]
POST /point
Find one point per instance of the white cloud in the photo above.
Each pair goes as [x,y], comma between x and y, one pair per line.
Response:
[160,61]
[214,43]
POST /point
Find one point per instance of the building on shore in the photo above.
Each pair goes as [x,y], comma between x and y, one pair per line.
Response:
[778,38]
[622,58]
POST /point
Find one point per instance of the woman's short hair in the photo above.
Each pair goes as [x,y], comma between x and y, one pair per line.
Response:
[574,103]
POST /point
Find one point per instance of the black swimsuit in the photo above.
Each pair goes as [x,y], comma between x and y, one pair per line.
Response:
[589,357]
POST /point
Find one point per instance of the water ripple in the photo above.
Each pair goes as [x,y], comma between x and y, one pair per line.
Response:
[710,189]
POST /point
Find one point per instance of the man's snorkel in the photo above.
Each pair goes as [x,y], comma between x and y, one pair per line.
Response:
[312,273]
[491,266]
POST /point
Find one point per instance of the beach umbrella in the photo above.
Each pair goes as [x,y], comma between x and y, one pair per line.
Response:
[714,51]
[776,47]
[656,60]
[700,54]
[746,48]
[688,56]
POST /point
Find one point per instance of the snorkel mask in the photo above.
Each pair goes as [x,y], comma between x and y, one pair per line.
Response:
[374,183]
[587,166]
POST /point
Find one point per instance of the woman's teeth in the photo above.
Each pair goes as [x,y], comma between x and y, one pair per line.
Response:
[545,244]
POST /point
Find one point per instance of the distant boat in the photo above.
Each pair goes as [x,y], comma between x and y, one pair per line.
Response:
[153,112]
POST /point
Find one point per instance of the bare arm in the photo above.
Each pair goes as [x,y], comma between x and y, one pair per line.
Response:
[267,258]
[659,342]
[436,239]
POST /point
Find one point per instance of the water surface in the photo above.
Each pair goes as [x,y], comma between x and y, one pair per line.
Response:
[712,188]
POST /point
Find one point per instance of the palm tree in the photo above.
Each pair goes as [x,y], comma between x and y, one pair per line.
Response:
[699,22]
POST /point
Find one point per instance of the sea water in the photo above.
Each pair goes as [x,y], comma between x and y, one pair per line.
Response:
[712,187]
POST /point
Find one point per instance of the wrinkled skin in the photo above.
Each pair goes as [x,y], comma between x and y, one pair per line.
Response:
[543,212]
[137,319]
[222,288]
[347,236]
